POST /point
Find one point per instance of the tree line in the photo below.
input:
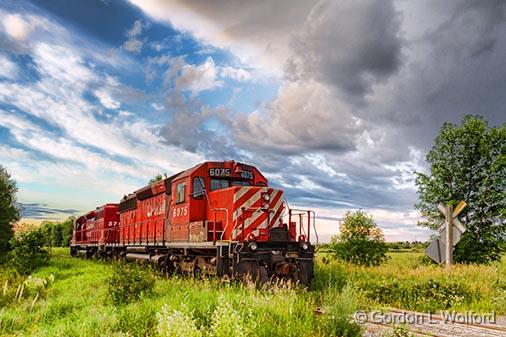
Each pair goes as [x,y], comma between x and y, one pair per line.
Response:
[57,233]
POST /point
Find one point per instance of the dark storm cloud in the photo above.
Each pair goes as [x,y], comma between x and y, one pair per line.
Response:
[457,68]
[348,44]
[42,211]
[367,95]
[344,192]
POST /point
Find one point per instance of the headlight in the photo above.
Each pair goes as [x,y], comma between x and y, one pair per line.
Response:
[267,197]
[304,246]
[252,246]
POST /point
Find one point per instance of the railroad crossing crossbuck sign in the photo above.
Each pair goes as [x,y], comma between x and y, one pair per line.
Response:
[450,230]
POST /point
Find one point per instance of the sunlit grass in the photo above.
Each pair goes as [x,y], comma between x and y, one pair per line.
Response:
[77,302]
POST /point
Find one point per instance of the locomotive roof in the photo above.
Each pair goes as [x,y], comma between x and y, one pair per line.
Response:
[194,168]
[147,191]
[91,214]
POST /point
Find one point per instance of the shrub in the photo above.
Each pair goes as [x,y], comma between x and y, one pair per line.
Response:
[28,252]
[361,241]
[129,282]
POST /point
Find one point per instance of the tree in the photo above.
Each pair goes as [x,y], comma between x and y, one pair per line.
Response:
[468,162]
[8,210]
[67,228]
[361,241]
[156,179]
[28,252]
[58,234]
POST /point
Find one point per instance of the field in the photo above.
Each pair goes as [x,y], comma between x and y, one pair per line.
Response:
[70,298]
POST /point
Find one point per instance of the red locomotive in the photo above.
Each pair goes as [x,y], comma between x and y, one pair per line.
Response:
[217,218]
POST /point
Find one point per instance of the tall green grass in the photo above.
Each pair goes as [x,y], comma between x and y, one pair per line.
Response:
[78,301]
[404,282]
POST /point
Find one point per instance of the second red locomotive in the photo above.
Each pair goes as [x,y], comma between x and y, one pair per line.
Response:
[217,218]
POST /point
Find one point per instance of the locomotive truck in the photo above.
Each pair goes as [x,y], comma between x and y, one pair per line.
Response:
[216,218]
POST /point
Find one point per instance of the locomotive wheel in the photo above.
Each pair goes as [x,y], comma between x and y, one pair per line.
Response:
[263,275]
[249,271]
[302,275]
[167,266]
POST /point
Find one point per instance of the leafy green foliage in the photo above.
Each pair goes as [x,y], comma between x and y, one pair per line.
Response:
[361,240]
[468,162]
[156,179]
[8,211]
[28,252]
[58,234]
[129,282]
[406,245]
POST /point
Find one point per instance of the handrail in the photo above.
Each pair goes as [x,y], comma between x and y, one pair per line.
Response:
[215,210]
[311,215]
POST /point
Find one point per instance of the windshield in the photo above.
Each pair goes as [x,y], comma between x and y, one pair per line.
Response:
[218,184]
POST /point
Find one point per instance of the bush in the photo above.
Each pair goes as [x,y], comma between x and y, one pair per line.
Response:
[361,241]
[129,282]
[28,252]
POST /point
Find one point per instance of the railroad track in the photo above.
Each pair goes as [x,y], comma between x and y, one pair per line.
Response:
[436,326]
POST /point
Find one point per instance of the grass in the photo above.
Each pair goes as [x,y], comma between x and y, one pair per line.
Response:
[407,283]
[77,303]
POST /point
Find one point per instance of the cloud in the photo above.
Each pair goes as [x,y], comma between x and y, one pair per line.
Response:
[257,32]
[66,74]
[347,44]
[8,69]
[363,89]
[304,117]
[106,100]
[16,27]
[198,78]
[237,74]
[43,211]
[133,44]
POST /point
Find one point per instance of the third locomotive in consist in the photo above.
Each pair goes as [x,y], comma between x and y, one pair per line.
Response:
[217,218]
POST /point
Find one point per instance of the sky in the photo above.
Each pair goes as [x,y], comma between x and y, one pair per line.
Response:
[337,102]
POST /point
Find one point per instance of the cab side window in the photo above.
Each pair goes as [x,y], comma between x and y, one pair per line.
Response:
[198,187]
[180,192]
